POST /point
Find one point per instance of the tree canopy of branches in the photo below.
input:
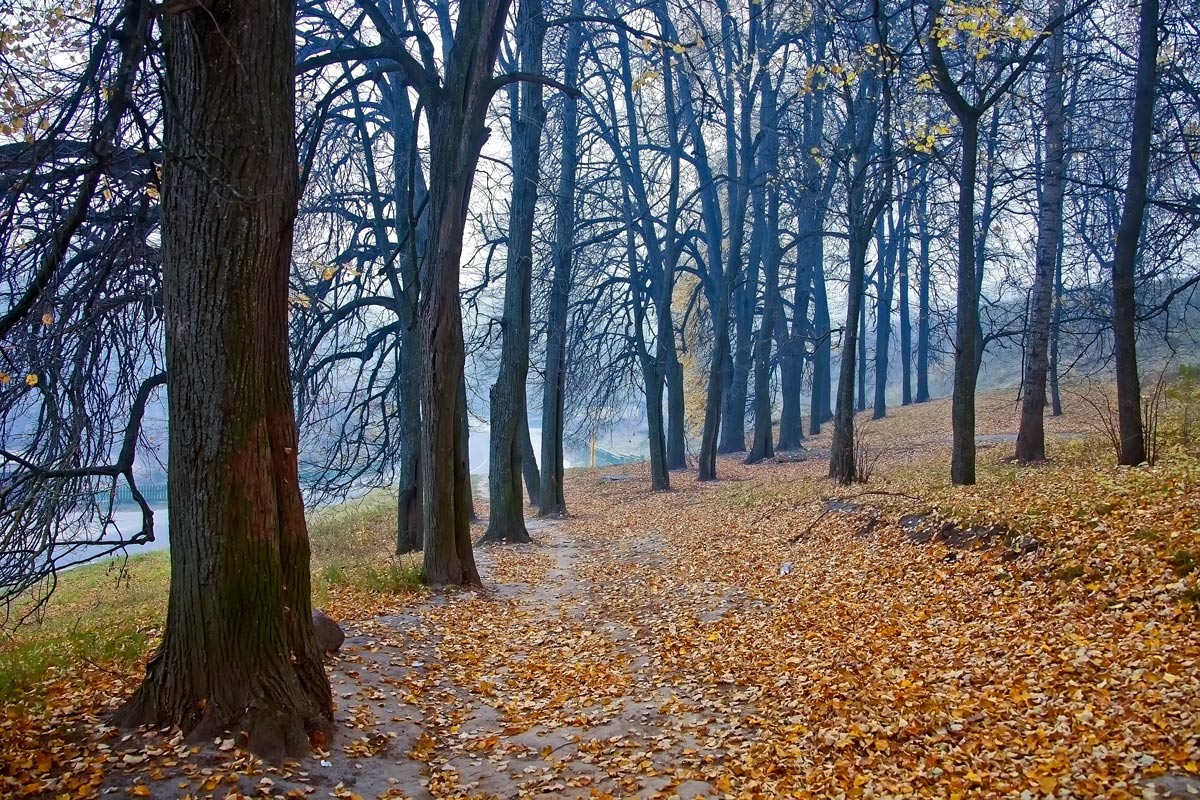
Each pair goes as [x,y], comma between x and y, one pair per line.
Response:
[561,217]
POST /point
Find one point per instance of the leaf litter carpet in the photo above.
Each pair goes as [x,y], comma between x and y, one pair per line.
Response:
[734,640]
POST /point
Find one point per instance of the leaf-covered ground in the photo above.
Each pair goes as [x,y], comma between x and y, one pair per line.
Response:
[1034,636]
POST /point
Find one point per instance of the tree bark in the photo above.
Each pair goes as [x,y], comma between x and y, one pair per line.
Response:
[841,456]
[552,500]
[895,240]
[409,523]
[860,401]
[821,409]
[456,117]
[667,349]
[239,653]
[791,346]
[509,424]
[1031,437]
[817,186]
[966,334]
[712,404]
[676,440]
[860,222]
[652,376]
[1129,392]
[718,282]
[664,359]
[733,431]
[742,278]
[762,446]
[969,277]
[408,192]
[923,268]
[1055,326]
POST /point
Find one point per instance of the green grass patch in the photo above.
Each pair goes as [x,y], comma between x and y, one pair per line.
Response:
[1183,562]
[103,613]
[1071,573]
[402,575]
[111,611]
[353,544]
[1191,597]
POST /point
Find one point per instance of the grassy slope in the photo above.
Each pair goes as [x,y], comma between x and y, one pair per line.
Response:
[110,612]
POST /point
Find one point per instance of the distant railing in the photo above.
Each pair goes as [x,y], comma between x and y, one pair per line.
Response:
[155,494]
[607,458]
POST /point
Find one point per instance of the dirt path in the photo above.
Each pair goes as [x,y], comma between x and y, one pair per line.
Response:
[713,641]
[733,639]
[542,684]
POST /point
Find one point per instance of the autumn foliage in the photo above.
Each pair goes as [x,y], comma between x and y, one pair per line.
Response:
[1033,635]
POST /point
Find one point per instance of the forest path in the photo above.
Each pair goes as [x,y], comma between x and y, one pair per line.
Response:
[774,634]
[543,683]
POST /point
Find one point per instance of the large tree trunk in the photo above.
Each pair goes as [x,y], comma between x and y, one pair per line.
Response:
[456,116]
[1055,329]
[719,297]
[790,343]
[716,276]
[1031,437]
[886,286]
[817,185]
[653,378]
[923,267]
[409,524]
[651,263]
[664,360]
[966,334]
[668,353]
[763,443]
[509,425]
[905,316]
[842,460]
[743,283]
[841,456]
[660,479]
[762,446]
[712,405]
[676,440]
[733,429]
[552,500]
[821,408]
[239,651]
[791,384]
[1129,392]
[445,474]
[718,284]
[860,402]
[408,193]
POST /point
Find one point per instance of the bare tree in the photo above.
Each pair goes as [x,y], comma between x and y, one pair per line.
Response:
[238,531]
[1129,393]
[509,428]
[1031,438]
